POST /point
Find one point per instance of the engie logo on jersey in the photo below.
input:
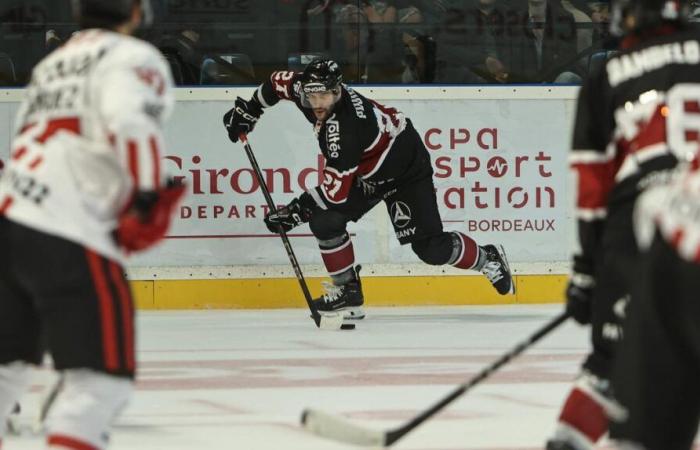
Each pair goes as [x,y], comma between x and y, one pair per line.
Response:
[400,214]
[333,137]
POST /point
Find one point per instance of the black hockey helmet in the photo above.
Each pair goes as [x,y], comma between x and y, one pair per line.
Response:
[629,16]
[321,75]
[108,13]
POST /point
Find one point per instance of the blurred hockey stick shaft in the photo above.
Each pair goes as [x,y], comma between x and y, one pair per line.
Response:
[326,322]
[339,429]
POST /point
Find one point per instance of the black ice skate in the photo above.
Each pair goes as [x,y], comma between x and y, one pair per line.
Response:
[496,269]
[559,445]
[346,299]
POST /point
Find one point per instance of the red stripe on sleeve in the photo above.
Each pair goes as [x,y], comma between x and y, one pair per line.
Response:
[36,162]
[19,153]
[127,310]
[370,158]
[64,441]
[595,181]
[70,124]
[109,333]
[5,205]
[132,149]
[155,155]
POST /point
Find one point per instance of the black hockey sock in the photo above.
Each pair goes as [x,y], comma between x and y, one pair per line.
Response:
[344,277]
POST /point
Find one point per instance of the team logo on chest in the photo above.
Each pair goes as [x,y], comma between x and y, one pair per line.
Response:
[333,137]
[400,214]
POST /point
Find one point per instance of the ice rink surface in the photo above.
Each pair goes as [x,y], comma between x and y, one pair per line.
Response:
[240,379]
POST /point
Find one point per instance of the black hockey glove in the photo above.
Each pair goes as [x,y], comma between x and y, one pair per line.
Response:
[242,118]
[298,211]
[579,297]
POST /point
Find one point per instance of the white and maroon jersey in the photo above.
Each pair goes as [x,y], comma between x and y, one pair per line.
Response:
[356,140]
[635,120]
[87,136]
[674,210]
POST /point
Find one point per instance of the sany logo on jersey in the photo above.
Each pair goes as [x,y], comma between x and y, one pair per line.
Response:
[333,137]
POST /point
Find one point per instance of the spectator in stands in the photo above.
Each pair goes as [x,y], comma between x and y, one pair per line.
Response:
[181,51]
[380,11]
[467,50]
[584,31]
[419,48]
[600,15]
[53,41]
[544,49]
[353,51]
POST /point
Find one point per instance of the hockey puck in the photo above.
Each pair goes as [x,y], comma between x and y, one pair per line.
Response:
[347,326]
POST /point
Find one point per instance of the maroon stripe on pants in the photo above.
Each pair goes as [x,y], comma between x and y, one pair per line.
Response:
[106,310]
[68,442]
[127,312]
[338,259]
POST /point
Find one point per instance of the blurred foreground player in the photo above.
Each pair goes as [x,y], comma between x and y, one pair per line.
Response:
[656,374]
[636,119]
[373,153]
[82,189]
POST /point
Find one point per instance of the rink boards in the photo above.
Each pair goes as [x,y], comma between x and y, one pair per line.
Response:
[379,291]
[501,176]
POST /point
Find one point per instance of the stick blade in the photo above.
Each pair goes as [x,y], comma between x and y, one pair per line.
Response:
[331,321]
[338,429]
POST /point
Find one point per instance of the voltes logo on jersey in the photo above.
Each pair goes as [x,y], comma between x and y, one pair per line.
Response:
[400,214]
[333,137]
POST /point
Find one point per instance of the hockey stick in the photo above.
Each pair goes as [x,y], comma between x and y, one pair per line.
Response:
[339,429]
[323,321]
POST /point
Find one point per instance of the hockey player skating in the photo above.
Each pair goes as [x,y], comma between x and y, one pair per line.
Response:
[83,187]
[636,118]
[373,154]
[657,371]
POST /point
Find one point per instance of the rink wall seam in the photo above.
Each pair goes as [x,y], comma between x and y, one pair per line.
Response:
[270,293]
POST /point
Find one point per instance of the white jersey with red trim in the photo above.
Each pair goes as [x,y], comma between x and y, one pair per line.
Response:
[87,136]
[674,210]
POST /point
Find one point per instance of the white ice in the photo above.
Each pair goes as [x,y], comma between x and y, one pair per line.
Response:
[240,379]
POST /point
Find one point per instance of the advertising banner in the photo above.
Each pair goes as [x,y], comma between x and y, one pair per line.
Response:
[500,176]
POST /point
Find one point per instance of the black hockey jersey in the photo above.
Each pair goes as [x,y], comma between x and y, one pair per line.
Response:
[635,119]
[356,140]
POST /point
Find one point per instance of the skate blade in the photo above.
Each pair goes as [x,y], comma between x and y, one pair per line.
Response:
[502,252]
[353,313]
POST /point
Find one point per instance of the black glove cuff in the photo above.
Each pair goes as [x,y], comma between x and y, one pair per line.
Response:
[255,107]
[308,206]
